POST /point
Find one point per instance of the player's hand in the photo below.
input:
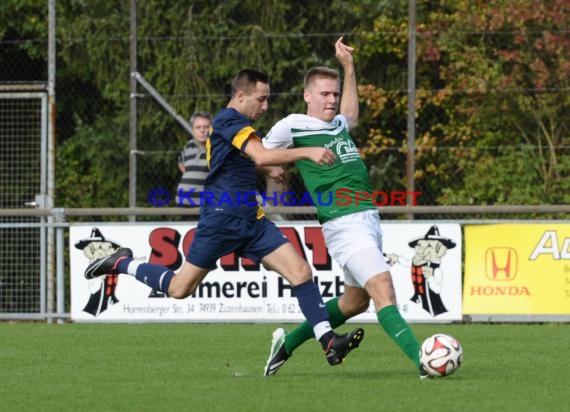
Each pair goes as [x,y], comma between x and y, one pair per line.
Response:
[322,155]
[276,173]
[343,52]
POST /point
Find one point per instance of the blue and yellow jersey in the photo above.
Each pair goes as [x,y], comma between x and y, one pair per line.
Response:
[231,182]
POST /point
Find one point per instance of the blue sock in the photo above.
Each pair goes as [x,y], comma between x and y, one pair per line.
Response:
[311,302]
[156,276]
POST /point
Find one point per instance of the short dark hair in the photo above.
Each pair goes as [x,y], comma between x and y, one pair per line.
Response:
[197,114]
[320,72]
[246,79]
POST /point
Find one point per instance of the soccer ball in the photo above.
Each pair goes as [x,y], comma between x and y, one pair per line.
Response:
[441,355]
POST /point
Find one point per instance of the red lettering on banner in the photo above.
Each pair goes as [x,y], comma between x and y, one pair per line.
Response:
[229,262]
[499,291]
[164,248]
[316,242]
[165,242]
[249,264]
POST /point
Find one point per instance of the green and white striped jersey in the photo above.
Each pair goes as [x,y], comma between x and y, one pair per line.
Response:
[332,188]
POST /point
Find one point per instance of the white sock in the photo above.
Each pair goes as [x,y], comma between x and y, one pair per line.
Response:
[133,266]
[321,328]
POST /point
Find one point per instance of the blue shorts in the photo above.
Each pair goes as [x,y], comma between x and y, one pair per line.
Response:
[219,234]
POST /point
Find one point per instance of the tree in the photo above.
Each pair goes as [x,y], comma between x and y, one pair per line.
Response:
[491,81]
[188,51]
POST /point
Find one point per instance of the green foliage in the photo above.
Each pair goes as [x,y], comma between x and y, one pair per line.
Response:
[526,52]
[93,167]
[509,176]
[25,19]
[489,75]
[93,44]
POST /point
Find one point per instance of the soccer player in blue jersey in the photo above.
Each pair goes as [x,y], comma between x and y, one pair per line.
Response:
[352,232]
[231,222]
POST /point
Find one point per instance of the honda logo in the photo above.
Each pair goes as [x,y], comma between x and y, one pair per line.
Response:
[501,263]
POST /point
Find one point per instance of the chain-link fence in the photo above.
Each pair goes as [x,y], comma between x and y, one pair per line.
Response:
[22,136]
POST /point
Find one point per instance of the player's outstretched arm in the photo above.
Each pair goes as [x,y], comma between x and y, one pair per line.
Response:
[349,100]
[274,157]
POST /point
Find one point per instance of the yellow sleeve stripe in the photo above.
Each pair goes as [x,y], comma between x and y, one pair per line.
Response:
[260,212]
[208,151]
[241,136]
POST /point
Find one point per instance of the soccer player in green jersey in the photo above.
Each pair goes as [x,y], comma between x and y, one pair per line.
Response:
[352,232]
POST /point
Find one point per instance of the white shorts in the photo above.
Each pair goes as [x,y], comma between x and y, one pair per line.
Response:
[353,237]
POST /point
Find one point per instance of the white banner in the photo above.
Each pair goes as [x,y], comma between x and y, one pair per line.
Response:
[425,265]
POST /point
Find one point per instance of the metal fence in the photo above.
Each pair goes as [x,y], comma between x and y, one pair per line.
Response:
[23,160]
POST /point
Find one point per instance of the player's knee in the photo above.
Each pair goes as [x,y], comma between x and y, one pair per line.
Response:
[301,273]
[305,271]
[381,290]
[178,291]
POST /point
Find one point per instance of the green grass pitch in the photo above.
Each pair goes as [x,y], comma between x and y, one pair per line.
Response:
[218,367]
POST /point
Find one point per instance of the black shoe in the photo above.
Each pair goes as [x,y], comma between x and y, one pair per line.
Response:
[107,265]
[424,374]
[278,354]
[340,345]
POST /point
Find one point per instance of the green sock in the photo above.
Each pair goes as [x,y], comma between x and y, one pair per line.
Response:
[304,331]
[398,329]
